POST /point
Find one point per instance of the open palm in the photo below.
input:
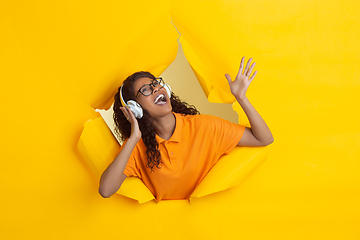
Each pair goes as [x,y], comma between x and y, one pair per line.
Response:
[242,81]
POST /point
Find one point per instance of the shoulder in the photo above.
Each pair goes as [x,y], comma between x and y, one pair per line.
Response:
[218,124]
[210,119]
[198,118]
[202,120]
[194,117]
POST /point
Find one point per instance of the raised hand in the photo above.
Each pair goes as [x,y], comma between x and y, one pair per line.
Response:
[135,130]
[242,81]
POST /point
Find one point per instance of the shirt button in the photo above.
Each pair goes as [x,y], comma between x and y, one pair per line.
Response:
[171,153]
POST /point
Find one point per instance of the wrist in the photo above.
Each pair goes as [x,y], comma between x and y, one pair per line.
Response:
[134,138]
[241,100]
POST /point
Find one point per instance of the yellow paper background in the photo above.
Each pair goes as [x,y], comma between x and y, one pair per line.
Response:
[58,61]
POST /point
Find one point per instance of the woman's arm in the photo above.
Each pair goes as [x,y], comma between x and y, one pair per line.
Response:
[114,176]
[259,134]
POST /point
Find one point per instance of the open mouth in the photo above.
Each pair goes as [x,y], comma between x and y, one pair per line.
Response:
[160,99]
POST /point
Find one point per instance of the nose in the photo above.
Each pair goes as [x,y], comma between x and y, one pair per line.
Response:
[156,89]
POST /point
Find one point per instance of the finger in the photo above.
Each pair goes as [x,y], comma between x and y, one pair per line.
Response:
[252,77]
[125,112]
[247,67]
[241,67]
[228,78]
[131,115]
[250,70]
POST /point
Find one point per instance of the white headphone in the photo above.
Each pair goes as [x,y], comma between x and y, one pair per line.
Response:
[134,107]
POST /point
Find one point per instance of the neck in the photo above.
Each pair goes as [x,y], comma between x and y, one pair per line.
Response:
[164,126]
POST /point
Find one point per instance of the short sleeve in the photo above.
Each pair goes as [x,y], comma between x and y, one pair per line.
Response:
[226,135]
[131,169]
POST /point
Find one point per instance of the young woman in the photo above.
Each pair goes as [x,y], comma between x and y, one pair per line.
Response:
[168,144]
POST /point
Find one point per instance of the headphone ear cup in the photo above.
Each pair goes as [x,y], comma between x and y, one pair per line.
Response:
[168,89]
[135,108]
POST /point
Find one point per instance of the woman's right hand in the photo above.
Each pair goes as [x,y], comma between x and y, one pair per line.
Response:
[135,130]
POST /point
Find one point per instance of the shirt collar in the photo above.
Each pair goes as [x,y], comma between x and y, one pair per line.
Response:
[176,136]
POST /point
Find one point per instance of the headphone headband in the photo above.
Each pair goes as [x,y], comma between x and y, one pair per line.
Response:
[121,97]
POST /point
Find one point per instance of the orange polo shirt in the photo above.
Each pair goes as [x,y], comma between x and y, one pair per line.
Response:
[195,146]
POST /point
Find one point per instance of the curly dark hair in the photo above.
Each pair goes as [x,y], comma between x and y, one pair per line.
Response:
[123,127]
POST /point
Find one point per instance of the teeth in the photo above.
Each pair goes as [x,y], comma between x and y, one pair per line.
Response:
[158,98]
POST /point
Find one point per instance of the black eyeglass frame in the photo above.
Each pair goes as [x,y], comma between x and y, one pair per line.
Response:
[151,85]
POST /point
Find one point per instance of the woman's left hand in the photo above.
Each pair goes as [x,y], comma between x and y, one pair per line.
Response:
[242,81]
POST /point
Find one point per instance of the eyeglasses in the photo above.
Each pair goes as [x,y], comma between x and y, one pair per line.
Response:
[148,89]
